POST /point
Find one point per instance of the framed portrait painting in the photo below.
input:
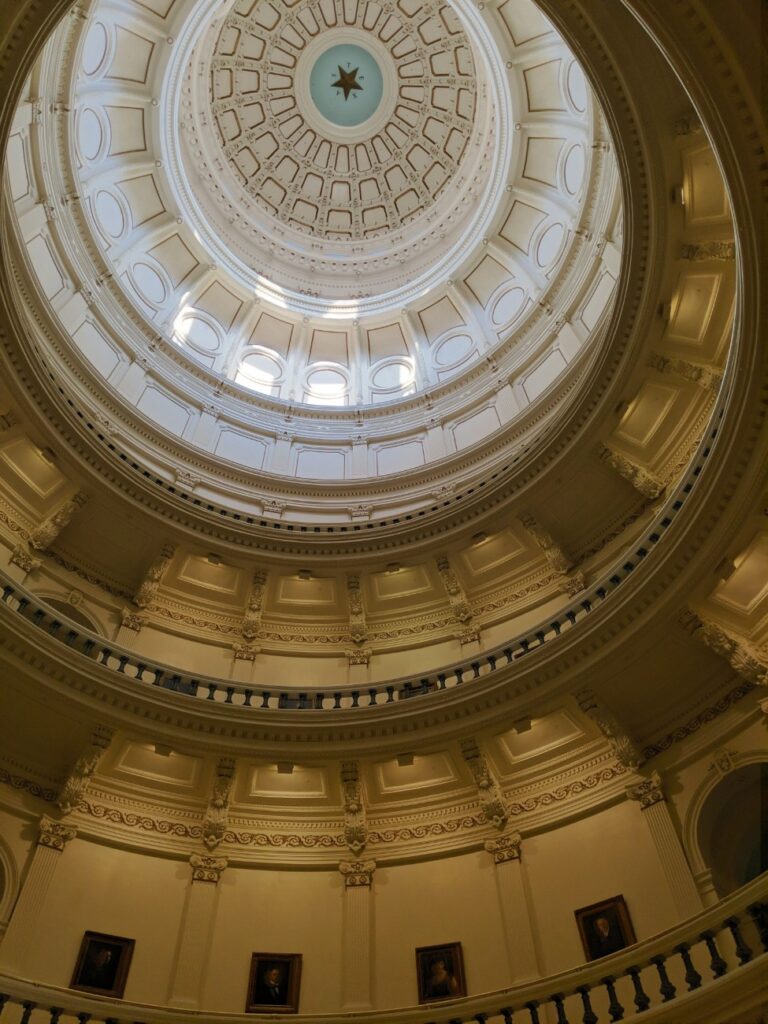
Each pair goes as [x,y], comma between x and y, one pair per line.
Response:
[605,927]
[102,964]
[440,972]
[273,983]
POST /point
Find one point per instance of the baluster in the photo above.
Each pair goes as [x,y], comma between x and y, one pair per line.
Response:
[508,654]
[459,676]
[247,694]
[158,680]
[106,654]
[122,662]
[390,695]
[492,661]
[441,680]
[372,694]
[642,1001]
[211,691]
[615,1008]
[141,668]
[667,990]
[481,1018]
[717,965]
[759,914]
[83,1018]
[692,976]
[355,699]
[265,695]
[230,695]
[3,995]
[589,1017]
[336,701]
[476,669]
[743,952]
[558,1000]
[533,1009]
[55,1014]
[506,1013]
[28,1008]
[319,698]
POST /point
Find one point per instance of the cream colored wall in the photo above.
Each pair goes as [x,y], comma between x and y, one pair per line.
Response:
[446,899]
[97,888]
[606,854]
[449,900]
[276,912]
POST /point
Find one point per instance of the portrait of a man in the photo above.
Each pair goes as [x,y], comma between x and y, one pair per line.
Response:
[274,983]
[102,964]
[605,927]
[440,972]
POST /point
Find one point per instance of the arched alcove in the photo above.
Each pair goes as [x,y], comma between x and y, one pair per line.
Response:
[73,614]
[733,827]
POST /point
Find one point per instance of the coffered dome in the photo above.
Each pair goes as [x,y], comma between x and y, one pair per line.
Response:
[458,227]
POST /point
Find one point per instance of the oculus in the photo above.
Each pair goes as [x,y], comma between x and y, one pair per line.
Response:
[346,85]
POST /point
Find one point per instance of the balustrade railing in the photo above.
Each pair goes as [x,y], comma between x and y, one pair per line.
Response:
[720,953]
[273,695]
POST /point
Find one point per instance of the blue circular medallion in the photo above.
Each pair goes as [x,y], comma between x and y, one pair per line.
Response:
[346,85]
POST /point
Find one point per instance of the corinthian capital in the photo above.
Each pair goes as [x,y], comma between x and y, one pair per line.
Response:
[357,873]
[505,848]
[54,834]
[206,868]
[648,792]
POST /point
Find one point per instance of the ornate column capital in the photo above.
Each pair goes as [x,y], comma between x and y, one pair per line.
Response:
[355,823]
[357,873]
[54,834]
[648,792]
[206,868]
[624,749]
[217,811]
[79,778]
[505,848]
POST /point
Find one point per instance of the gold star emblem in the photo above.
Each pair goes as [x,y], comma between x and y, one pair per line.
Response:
[347,81]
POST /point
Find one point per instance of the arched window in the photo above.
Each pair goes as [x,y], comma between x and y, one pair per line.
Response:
[733,827]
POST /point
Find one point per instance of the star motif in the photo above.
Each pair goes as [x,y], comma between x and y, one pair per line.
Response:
[347,81]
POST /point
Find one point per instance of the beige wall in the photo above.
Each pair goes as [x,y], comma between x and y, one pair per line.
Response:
[446,899]
[607,854]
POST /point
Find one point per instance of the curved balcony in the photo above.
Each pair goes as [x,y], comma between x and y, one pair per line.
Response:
[120,660]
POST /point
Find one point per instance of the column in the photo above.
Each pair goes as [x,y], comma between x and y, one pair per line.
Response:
[21,935]
[650,795]
[196,931]
[515,907]
[357,933]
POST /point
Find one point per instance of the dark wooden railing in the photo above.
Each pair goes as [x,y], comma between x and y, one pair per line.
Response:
[274,695]
[721,950]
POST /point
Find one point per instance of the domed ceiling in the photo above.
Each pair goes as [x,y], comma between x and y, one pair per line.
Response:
[336,204]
